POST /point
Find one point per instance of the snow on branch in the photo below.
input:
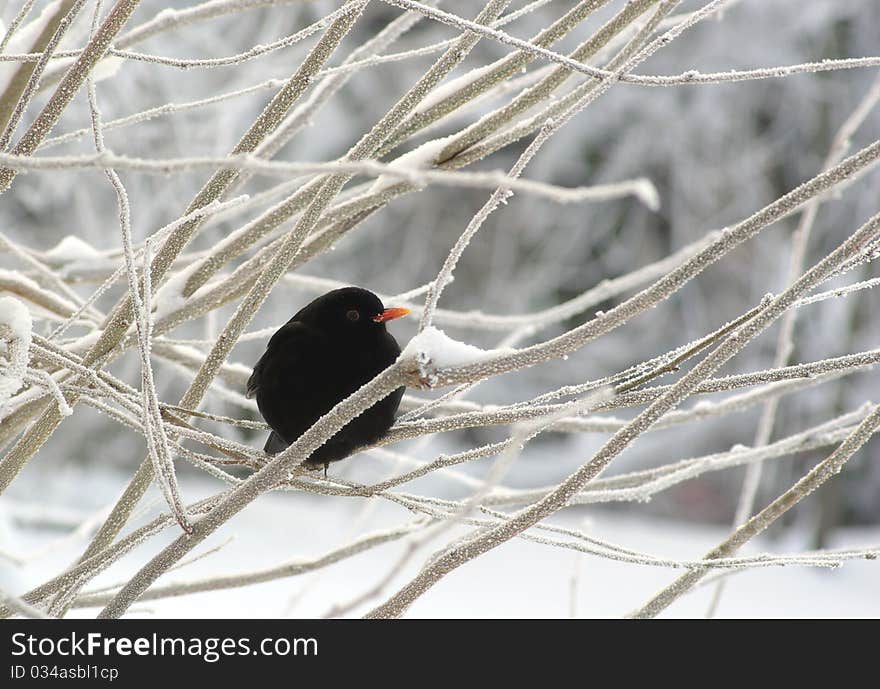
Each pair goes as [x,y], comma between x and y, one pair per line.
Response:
[15,332]
[401,169]
[433,350]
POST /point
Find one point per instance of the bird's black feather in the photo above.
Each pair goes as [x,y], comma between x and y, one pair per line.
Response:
[328,350]
[275,444]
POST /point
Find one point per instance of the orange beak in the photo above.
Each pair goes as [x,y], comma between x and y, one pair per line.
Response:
[390,315]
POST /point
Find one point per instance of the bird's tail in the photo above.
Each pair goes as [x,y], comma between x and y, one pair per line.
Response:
[275,444]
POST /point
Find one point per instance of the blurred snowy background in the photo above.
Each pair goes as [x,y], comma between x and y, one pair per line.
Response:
[716,153]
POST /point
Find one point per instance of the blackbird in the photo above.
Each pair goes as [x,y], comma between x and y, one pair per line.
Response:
[329,349]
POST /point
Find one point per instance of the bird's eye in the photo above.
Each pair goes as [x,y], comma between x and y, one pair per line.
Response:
[353,315]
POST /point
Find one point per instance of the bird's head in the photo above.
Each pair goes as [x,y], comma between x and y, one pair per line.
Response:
[349,310]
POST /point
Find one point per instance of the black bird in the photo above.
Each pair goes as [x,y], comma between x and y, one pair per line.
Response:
[329,349]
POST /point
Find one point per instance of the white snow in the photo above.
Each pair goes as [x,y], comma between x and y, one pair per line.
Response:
[420,158]
[15,329]
[13,276]
[71,249]
[454,85]
[85,342]
[17,279]
[434,346]
[15,316]
[169,297]
[517,579]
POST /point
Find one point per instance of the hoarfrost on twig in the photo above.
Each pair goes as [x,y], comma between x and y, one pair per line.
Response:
[15,331]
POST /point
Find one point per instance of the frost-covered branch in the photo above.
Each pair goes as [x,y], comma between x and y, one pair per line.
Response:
[364,164]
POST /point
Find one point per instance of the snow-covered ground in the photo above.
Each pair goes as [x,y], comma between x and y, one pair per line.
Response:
[518,579]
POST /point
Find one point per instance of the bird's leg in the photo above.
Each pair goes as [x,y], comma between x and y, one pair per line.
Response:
[326,465]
